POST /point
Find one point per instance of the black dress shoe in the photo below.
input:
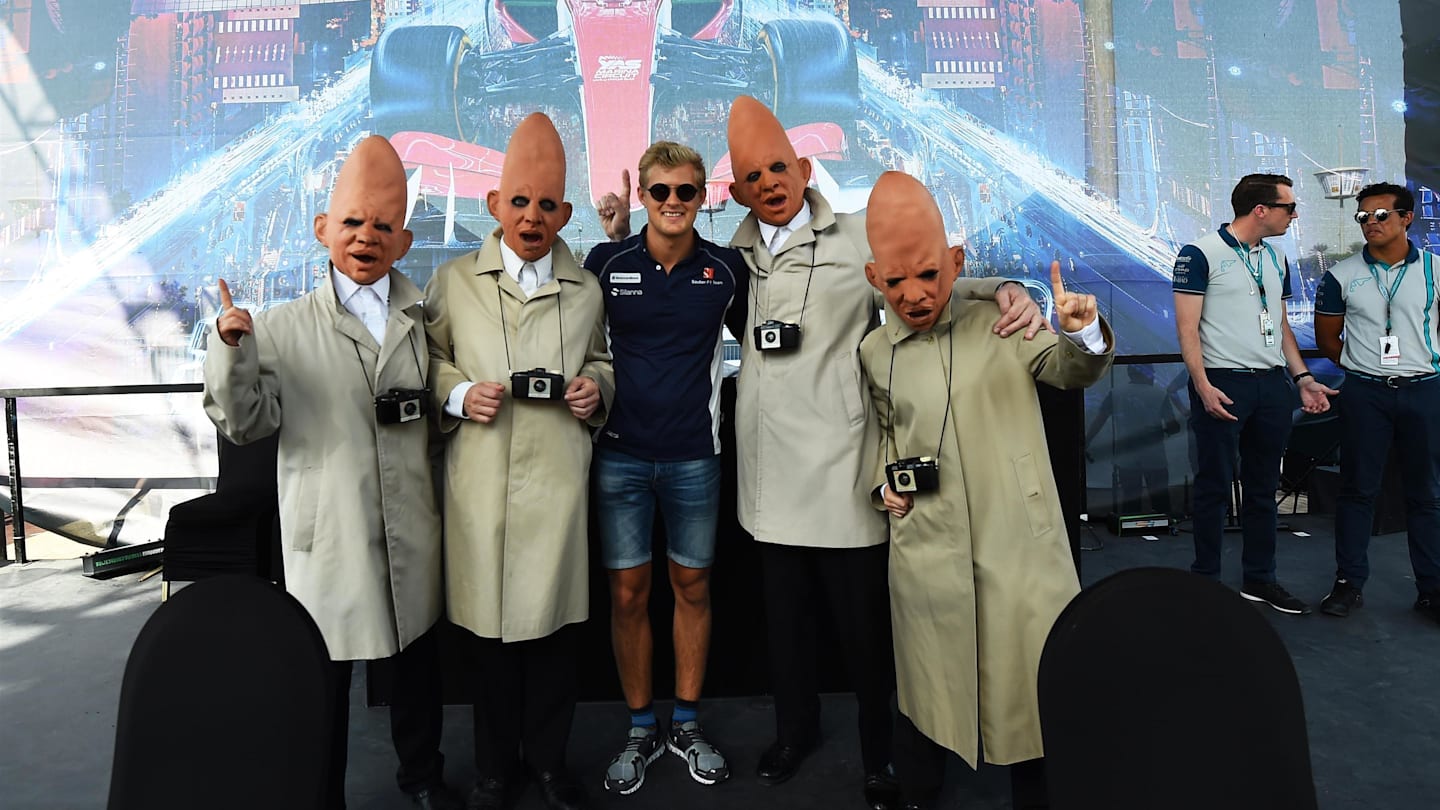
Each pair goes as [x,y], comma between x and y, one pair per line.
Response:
[487,794]
[438,797]
[882,792]
[780,762]
[560,792]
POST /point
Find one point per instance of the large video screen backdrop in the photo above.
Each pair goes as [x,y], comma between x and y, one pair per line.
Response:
[151,147]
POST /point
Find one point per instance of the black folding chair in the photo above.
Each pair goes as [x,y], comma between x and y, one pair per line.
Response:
[226,703]
[1160,688]
[234,530]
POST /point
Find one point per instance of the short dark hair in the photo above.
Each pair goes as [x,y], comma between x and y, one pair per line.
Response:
[1404,200]
[1257,189]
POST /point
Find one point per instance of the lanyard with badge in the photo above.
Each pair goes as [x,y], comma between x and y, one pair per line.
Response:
[1389,344]
[1267,323]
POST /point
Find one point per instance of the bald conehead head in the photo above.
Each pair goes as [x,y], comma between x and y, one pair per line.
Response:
[535,152]
[900,213]
[530,201]
[373,168]
[769,179]
[751,125]
[913,267]
[365,226]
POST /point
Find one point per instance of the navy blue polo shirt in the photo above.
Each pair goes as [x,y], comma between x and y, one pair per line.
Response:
[667,345]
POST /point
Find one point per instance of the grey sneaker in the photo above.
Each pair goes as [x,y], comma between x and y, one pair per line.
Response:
[627,770]
[707,764]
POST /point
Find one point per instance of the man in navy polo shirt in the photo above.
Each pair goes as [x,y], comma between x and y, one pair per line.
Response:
[1230,290]
[1384,300]
[667,294]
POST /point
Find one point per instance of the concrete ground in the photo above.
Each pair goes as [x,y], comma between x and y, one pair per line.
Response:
[1369,683]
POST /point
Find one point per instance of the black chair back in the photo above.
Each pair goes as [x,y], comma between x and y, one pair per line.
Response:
[1160,688]
[234,530]
[226,703]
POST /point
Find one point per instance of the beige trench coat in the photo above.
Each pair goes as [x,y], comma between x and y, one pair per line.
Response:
[980,569]
[804,426]
[361,536]
[516,555]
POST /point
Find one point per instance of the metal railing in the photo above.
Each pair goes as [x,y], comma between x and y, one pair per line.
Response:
[17,484]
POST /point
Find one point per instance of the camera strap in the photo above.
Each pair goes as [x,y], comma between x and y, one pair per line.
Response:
[415,352]
[755,297]
[949,379]
[505,327]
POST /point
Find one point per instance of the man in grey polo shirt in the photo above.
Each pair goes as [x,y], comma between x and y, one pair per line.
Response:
[1245,368]
[1384,299]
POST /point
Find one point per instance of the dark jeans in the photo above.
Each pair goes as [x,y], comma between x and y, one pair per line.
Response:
[920,770]
[852,584]
[416,714]
[1263,405]
[1372,417]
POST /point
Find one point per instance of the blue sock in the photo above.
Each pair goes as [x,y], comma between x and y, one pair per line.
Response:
[685,711]
[643,717]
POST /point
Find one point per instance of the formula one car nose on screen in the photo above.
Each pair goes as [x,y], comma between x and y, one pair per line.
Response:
[607,71]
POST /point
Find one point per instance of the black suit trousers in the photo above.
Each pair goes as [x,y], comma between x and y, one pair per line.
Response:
[852,586]
[416,715]
[524,702]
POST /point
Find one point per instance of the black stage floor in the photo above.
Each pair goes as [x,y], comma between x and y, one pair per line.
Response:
[1371,686]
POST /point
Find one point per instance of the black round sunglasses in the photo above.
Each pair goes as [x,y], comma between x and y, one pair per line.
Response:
[661,192]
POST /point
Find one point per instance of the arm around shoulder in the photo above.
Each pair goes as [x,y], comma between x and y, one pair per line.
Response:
[979,289]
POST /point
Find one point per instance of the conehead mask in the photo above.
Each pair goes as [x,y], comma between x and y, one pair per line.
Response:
[913,268]
[769,179]
[364,229]
[530,202]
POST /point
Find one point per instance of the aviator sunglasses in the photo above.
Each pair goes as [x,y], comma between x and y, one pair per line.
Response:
[1380,214]
[661,192]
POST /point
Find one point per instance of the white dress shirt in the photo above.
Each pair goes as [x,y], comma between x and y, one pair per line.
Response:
[368,302]
[775,235]
[540,273]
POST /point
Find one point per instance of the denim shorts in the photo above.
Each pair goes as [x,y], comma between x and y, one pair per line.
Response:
[626,491]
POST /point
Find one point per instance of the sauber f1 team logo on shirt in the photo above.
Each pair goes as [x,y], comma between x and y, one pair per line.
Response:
[707,276]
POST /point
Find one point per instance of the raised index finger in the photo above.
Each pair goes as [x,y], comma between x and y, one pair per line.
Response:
[1056,285]
[625,182]
[226,302]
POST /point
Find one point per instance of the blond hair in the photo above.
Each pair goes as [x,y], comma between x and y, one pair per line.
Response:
[669,155]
